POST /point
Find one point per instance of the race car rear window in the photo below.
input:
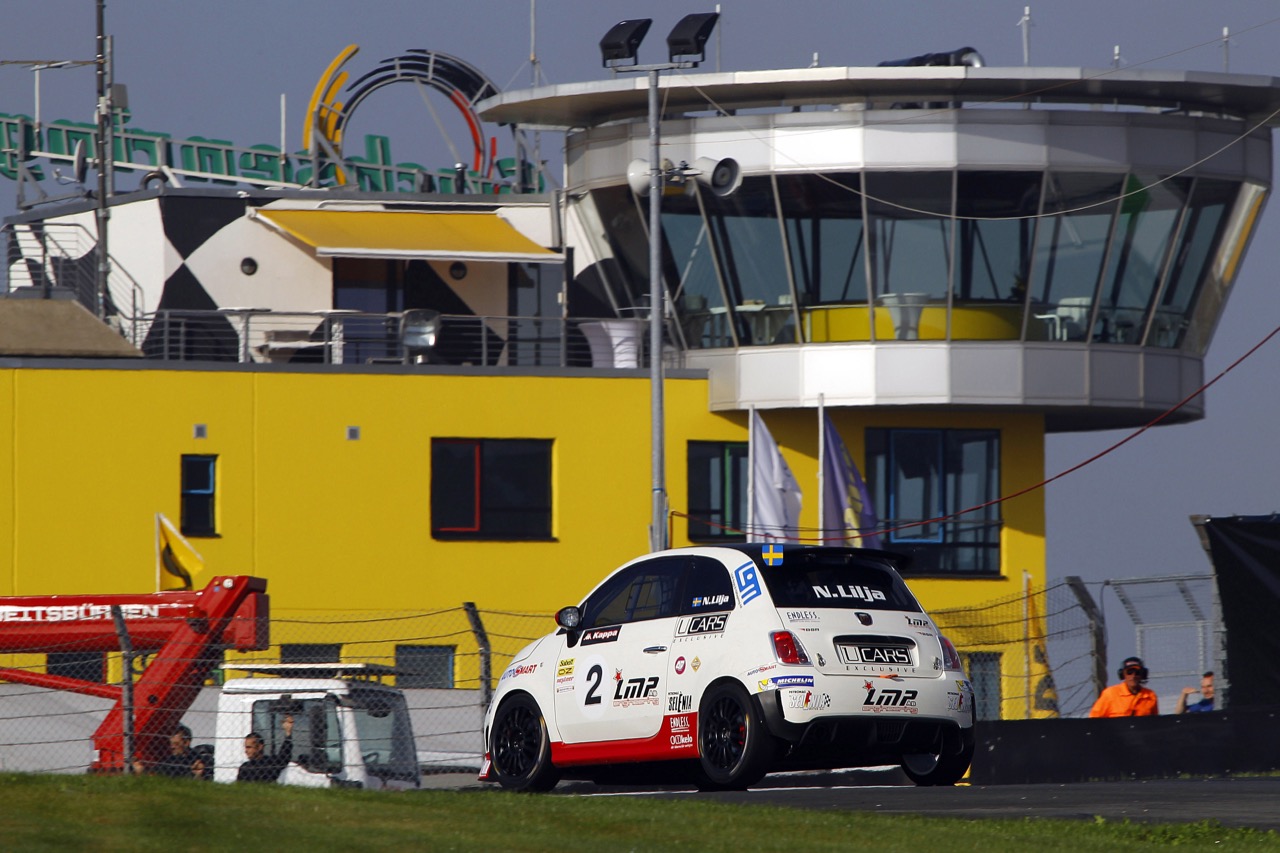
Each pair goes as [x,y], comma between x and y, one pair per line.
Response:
[813,579]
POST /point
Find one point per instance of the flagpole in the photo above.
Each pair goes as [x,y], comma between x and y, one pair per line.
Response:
[158,552]
[1026,632]
[751,472]
[822,470]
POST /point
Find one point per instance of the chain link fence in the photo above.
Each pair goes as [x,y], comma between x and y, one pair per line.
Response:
[1038,654]
[1031,655]
[1043,653]
[1178,632]
[446,663]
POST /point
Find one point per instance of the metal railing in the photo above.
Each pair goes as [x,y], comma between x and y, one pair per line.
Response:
[63,255]
[256,335]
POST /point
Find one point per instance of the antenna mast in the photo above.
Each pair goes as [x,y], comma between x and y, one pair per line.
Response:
[104,170]
[1025,23]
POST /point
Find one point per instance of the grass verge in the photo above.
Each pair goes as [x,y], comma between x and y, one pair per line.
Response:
[141,814]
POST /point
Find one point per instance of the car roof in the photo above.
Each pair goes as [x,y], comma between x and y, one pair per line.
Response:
[756,551]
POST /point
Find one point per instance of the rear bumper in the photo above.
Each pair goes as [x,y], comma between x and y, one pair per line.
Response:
[831,740]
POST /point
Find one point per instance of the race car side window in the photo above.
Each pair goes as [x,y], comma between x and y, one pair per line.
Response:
[644,591]
[708,588]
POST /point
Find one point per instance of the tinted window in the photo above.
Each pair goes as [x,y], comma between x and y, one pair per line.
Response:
[199,489]
[644,591]
[490,488]
[919,478]
[707,589]
[718,477]
[834,579]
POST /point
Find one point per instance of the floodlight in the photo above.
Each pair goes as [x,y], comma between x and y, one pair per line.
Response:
[961,56]
[623,40]
[688,39]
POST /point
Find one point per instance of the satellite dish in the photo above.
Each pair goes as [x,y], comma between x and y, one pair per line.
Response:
[79,164]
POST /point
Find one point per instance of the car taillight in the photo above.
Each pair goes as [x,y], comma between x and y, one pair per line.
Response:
[950,657]
[788,648]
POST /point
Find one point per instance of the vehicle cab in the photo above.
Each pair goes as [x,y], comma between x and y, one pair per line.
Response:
[349,730]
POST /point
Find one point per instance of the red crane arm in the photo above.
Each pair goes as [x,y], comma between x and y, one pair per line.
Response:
[183,631]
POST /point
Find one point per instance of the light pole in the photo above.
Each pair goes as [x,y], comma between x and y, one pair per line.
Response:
[618,50]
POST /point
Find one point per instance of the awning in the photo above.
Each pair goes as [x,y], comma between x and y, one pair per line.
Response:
[407,234]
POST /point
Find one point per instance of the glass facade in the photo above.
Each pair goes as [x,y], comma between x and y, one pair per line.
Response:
[919,479]
[1083,257]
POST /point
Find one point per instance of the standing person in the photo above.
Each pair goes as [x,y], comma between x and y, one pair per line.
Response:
[1128,698]
[261,767]
[1206,697]
[182,760]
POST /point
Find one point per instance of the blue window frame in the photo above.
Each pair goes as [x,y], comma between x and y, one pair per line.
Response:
[920,475]
[199,491]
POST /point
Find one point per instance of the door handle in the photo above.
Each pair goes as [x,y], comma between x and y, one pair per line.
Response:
[655,650]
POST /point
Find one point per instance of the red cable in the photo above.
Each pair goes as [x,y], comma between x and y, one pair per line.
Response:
[1166,413]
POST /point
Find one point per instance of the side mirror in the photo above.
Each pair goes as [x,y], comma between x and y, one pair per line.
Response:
[569,618]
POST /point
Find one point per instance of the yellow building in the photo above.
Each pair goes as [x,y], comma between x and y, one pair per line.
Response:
[391,401]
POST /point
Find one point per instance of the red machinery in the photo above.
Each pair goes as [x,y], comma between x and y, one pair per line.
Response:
[181,631]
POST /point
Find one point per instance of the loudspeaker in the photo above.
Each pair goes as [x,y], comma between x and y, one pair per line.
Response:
[722,177]
[79,163]
[638,177]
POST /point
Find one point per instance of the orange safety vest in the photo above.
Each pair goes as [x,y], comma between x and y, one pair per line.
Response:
[1117,701]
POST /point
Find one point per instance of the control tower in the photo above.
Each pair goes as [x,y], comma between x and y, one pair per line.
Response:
[1051,240]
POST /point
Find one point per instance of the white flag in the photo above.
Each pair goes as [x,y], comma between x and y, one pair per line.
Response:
[775,494]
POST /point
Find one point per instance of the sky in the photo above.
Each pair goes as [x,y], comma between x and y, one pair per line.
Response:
[219,69]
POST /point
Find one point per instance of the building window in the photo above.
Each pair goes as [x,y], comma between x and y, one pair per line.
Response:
[86,666]
[984,674]
[490,488]
[199,484]
[310,652]
[425,666]
[717,491]
[917,475]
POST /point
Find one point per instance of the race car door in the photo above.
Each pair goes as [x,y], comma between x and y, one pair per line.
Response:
[611,678]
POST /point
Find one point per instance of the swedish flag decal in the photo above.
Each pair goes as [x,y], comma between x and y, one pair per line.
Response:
[772,554]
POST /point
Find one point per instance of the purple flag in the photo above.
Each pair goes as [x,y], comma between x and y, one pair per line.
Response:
[846,504]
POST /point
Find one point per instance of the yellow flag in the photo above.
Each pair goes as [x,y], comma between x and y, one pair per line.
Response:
[177,562]
[1044,693]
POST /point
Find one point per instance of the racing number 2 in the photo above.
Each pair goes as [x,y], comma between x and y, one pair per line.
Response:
[595,676]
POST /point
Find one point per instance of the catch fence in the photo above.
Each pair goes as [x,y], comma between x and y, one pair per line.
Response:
[446,662]
[1038,654]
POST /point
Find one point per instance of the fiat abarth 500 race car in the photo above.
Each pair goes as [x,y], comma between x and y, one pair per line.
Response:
[721,664]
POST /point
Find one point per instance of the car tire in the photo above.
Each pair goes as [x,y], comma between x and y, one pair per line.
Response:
[735,748]
[945,767]
[520,747]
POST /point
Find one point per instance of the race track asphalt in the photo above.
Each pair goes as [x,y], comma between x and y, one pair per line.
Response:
[1231,802]
[1236,802]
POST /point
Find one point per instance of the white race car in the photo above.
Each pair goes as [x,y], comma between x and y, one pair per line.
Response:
[722,664]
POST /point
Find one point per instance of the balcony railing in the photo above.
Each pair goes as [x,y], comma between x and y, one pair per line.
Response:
[252,335]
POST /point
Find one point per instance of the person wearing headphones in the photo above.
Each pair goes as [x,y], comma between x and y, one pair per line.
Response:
[1128,698]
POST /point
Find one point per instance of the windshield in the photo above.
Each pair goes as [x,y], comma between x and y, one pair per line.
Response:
[386,736]
[836,577]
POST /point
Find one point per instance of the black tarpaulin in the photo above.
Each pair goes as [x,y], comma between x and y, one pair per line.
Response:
[1246,561]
